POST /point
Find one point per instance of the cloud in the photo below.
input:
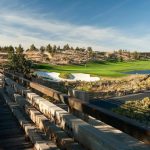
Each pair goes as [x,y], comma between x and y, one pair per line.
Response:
[111,10]
[28,29]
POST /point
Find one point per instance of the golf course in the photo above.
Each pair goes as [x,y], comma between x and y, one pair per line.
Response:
[107,69]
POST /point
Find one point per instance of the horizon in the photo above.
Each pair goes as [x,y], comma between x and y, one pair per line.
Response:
[104,25]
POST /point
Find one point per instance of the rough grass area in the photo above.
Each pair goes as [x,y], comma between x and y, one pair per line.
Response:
[66,75]
[138,110]
[107,69]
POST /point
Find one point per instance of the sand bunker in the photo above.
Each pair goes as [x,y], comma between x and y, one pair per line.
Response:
[77,76]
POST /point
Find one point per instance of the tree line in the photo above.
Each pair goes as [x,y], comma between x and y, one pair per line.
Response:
[118,55]
[49,48]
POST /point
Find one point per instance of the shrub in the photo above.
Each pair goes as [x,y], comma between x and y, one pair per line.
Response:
[138,110]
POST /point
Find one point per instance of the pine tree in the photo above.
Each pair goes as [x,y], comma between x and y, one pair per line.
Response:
[49,48]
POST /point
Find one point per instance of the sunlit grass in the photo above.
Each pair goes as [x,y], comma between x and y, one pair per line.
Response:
[109,69]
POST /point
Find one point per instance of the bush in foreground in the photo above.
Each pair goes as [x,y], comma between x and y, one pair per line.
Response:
[138,110]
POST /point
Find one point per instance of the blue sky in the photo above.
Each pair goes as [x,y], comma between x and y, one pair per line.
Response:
[103,24]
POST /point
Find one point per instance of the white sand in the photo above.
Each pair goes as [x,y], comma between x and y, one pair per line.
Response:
[77,76]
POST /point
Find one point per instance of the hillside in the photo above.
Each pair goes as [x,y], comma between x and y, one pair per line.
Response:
[3,58]
[66,57]
[57,56]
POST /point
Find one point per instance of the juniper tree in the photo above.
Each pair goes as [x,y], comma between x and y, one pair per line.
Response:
[17,61]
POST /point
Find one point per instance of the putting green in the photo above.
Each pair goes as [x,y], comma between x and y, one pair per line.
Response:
[108,69]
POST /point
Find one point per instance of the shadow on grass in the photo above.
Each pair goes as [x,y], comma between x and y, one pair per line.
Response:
[99,62]
[45,67]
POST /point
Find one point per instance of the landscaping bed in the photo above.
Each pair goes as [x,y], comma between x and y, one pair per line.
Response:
[106,88]
[113,88]
[138,110]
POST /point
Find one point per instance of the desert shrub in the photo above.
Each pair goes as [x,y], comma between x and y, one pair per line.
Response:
[83,88]
[138,110]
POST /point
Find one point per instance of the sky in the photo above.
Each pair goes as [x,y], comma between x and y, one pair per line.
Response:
[105,25]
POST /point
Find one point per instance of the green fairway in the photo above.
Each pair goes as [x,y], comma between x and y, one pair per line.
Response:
[98,68]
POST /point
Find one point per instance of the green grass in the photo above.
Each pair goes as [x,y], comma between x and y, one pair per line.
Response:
[108,69]
[65,75]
